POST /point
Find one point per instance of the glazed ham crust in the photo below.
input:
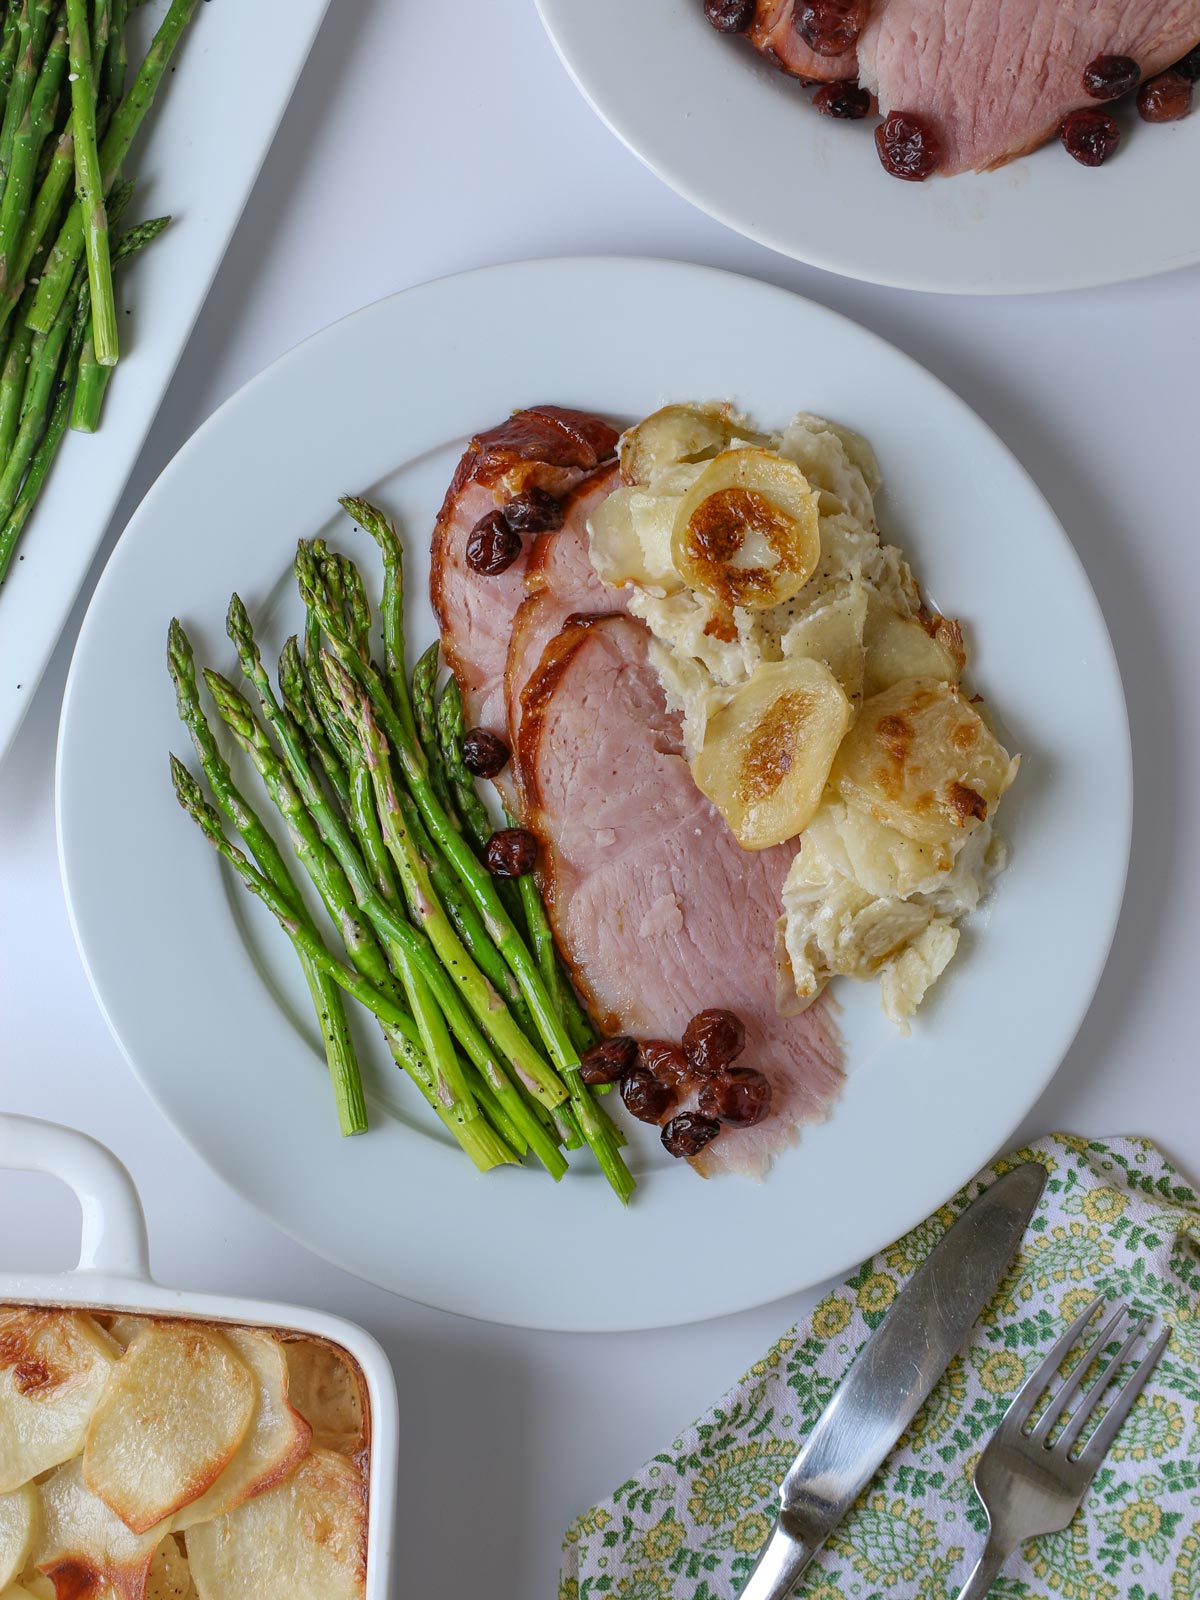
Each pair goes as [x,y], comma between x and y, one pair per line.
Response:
[773,34]
[996,77]
[545,447]
[654,905]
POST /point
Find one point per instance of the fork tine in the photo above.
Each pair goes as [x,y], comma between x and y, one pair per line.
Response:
[1096,1391]
[1022,1404]
[1058,1402]
[1097,1446]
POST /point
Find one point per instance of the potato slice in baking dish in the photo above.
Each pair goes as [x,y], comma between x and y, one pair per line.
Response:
[326,1388]
[83,1547]
[747,532]
[53,1368]
[767,753]
[305,1539]
[18,1522]
[921,759]
[278,1437]
[178,1405]
[170,1577]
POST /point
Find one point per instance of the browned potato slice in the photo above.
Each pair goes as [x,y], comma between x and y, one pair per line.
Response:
[277,1440]
[18,1522]
[766,755]
[747,532]
[672,435]
[170,1577]
[53,1368]
[326,1389]
[921,759]
[81,1542]
[177,1407]
[901,647]
[306,1539]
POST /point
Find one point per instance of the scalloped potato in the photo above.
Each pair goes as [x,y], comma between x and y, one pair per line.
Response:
[821,698]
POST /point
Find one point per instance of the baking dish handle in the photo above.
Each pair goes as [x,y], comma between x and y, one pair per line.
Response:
[113,1239]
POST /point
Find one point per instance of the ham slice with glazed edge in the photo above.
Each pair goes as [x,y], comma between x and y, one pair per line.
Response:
[544,447]
[996,77]
[656,907]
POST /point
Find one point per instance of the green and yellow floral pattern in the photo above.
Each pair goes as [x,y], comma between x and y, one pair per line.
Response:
[1116,1220]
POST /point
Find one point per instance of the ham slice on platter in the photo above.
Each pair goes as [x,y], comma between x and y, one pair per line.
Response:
[658,911]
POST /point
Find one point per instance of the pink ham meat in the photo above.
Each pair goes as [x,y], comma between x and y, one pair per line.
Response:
[546,447]
[996,77]
[654,904]
[560,583]
[773,34]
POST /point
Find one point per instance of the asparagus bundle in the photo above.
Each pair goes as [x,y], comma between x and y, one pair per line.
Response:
[364,766]
[67,119]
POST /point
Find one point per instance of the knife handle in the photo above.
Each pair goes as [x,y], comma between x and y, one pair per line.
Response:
[784,1557]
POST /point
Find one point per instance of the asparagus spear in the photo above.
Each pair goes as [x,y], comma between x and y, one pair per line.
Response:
[47,205]
[9,49]
[392,551]
[91,185]
[339,1050]
[130,242]
[596,1127]
[424,681]
[477,993]
[116,58]
[92,378]
[33,25]
[35,128]
[127,119]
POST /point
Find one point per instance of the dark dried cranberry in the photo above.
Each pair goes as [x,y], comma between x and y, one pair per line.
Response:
[492,546]
[609,1060]
[511,853]
[687,1134]
[534,511]
[830,27]
[908,147]
[1108,77]
[645,1096]
[729,16]
[844,100]
[712,1040]
[1090,136]
[1165,98]
[1188,66]
[739,1095]
[666,1061]
[484,754]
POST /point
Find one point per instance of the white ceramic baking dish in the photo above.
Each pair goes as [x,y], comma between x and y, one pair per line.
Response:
[113,1273]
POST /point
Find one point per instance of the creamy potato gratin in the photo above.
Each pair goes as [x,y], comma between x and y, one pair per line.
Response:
[823,703]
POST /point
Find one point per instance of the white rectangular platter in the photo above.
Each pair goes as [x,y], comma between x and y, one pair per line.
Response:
[207,137]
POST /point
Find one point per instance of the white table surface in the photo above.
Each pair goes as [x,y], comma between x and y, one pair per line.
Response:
[414,149]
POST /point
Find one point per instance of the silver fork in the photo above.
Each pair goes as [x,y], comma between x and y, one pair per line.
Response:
[1031,1485]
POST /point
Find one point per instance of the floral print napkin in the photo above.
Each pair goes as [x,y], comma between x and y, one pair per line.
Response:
[1115,1219]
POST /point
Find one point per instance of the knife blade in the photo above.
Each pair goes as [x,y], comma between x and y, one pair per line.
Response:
[893,1375]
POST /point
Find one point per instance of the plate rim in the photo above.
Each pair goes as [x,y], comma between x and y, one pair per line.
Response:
[888,1228]
[770,239]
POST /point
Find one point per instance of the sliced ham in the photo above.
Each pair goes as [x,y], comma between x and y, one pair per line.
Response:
[996,77]
[560,583]
[658,910]
[773,34]
[545,447]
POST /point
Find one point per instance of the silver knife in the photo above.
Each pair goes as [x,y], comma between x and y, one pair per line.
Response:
[892,1376]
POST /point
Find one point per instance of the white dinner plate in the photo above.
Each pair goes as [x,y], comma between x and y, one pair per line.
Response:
[741,141]
[210,130]
[203,993]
